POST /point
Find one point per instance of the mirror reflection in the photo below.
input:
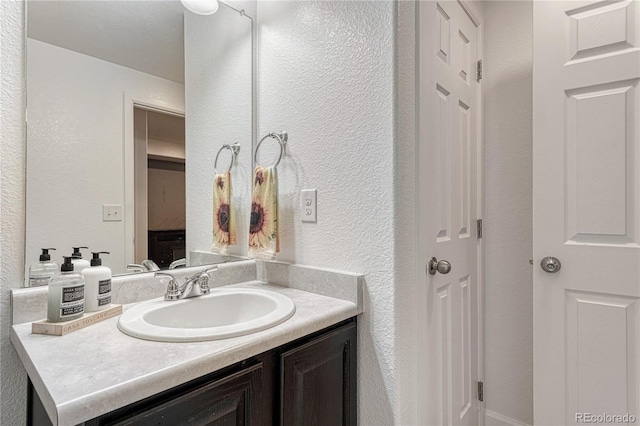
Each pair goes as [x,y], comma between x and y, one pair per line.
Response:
[128,104]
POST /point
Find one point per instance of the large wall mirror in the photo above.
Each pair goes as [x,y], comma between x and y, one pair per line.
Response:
[128,104]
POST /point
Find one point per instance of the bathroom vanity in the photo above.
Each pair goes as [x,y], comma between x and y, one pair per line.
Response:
[301,369]
[309,381]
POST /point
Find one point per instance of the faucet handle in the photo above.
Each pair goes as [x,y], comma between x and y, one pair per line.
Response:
[199,274]
[136,267]
[211,269]
[150,265]
[173,289]
[204,277]
[178,263]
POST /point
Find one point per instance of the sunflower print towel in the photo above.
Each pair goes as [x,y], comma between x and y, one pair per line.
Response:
[263,229]
[224,223]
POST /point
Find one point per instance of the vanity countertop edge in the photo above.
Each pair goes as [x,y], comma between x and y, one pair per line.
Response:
[98,379]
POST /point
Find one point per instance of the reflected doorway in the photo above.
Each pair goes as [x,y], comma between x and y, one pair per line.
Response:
[159,186]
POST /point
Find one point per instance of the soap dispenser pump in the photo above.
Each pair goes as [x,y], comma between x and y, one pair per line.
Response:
[78,262]
[66,294]
[97,281]
[40,273]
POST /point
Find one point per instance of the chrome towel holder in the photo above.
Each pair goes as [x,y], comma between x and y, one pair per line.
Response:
[282,138]
[235,150]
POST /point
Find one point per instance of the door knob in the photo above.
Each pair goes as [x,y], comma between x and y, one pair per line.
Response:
[550,264]
[441,266]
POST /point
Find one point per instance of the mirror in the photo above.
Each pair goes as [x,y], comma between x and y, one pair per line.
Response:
[128,104]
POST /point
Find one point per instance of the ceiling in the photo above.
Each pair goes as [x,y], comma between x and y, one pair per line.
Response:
[146,35]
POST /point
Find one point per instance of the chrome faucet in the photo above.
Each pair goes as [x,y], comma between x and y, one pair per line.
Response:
[136,268]
[178,263]
[147,266]
[194,286]
[150,265]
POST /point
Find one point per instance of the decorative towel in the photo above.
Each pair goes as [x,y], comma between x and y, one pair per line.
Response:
[224,222]
[263,230]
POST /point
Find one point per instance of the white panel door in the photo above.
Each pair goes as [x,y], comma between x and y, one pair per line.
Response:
[448,209]
[586,209]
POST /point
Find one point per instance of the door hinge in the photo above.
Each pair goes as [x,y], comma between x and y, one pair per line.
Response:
[479,227]
[480,391]
[479,70]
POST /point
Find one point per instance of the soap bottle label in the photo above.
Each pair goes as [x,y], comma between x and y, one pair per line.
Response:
[104,292]
[72,294]
[104,301]
[104,287]
[66,311]
[72,301]
[39,281]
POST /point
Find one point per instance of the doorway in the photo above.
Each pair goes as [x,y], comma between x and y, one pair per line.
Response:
[586,210]
[449,210]
[159,181]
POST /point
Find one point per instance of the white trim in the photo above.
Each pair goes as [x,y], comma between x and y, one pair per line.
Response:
[421,373]
[502,419]
[152,108]
[130,101]
[477,18]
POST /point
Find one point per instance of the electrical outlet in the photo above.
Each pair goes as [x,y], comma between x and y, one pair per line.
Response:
[309,205]
[112,212]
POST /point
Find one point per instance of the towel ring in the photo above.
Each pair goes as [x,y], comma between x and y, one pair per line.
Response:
[282,139]
[235,150]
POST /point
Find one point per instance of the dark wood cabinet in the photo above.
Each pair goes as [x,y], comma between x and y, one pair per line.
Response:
[233,400]
[311,381]
[318,384]
[166,246]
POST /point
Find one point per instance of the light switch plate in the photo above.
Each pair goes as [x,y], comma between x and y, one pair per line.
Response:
[112,212]
[309,205]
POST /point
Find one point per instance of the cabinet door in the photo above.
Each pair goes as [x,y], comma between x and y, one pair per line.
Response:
[232,400]
[318,380]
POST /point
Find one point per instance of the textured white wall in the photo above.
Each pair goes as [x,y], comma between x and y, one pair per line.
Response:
[218,111]
[75,161]
[326,75]
[408,360]
[507,86]
[13,396]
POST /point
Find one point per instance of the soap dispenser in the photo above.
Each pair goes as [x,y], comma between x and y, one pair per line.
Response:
[40,273]
[66,294]
[78,262]
[97,283]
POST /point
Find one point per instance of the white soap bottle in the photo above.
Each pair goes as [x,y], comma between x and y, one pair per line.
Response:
[40,273]
[78,262]
[66,294]
[97,284]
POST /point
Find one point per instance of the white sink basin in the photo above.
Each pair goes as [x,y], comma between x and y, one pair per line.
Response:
[224,313]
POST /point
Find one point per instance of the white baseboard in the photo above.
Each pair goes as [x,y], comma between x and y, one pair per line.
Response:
[491,418]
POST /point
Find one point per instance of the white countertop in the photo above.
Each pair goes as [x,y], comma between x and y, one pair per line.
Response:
[98,369]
